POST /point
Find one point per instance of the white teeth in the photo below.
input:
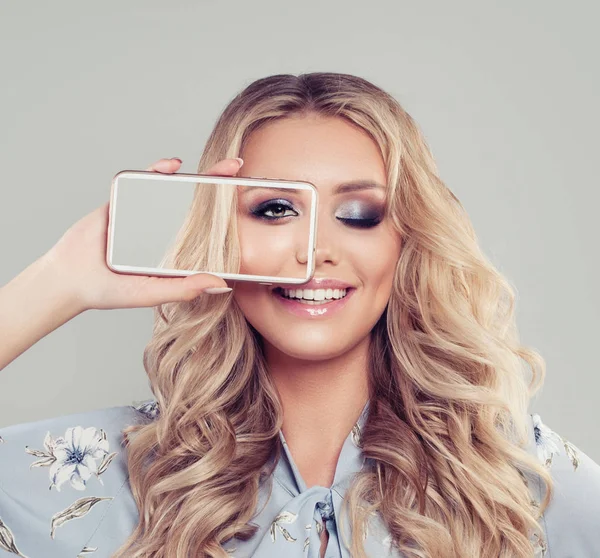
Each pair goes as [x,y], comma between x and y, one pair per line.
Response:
[314,294]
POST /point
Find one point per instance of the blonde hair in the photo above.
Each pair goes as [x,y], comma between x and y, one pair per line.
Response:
[447,429]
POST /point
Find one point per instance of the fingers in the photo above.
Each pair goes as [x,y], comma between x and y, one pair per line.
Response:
[225,167]
[188,288]
[161,290]
[166,165]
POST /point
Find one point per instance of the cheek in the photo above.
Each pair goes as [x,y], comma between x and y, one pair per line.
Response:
[249,296]
[271,250]
[375,259]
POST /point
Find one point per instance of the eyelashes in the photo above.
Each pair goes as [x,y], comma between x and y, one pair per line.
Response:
[361,223]
[353,215]
[278,209]
[356,214]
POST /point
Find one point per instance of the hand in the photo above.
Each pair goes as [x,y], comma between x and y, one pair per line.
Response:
[79,259]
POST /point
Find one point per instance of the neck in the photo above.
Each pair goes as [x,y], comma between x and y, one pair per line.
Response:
[321,399]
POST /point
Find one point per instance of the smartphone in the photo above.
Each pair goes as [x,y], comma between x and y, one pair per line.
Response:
[238,228]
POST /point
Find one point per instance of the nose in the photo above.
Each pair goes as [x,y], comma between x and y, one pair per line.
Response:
[327,249]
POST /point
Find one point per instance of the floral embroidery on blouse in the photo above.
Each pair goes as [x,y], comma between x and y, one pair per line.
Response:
[72,458]
[149,409]
[549,443]
[79,453]
[284,517]
[7,540]
[77,509]
[356,435]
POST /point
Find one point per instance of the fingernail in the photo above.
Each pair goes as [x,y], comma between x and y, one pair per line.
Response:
[241,161]
[216,290]
[177,159]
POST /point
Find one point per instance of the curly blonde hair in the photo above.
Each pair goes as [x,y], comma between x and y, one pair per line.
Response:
[447,427]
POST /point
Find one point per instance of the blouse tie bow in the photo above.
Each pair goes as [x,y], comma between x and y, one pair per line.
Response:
[296,531]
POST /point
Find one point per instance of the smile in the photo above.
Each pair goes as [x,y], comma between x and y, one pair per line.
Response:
[314,296]
[313,302]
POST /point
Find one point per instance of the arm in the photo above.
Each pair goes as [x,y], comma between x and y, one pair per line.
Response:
[73,276]
[33,304]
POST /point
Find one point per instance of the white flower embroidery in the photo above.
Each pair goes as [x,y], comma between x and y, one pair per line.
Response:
[73,457]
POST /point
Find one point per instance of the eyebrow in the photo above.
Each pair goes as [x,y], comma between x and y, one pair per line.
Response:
[354,185]
[342,188]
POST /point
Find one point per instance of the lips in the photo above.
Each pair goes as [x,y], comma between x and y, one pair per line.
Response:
[319,308]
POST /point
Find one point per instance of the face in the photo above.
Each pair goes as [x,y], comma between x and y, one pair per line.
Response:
[357,249]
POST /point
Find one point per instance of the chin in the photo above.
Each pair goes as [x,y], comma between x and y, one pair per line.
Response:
[301,352]
[312,344]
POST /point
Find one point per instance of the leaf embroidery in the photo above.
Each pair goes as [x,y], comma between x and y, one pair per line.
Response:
[572,453]
[548,443]
[539,544]
[286,535]
[284,517]
[1,440]
[78,509]
[106,462]
[356,433]
[319,527]
[48,455]
[87,550]
[306,541]
[149,409]
[7,540]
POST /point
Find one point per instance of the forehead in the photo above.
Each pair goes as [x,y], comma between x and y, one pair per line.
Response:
[326,151]
[341,188]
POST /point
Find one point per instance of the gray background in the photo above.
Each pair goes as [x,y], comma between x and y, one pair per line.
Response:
[506,93]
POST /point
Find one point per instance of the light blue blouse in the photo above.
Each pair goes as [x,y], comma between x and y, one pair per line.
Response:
[64,493]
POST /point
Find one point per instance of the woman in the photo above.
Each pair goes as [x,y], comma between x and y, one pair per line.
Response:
[393,423]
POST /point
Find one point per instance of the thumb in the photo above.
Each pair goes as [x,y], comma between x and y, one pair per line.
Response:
[178,289]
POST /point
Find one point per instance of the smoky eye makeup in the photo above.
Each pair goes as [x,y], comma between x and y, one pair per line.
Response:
[273,210]
[359,214]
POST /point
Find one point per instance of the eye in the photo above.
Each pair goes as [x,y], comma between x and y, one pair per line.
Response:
[361,223]
[273,210]
[360,215]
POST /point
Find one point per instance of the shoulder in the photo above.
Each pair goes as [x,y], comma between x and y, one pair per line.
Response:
[55,470]
[572,519]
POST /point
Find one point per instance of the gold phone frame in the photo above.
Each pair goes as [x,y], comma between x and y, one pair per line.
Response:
[207,178]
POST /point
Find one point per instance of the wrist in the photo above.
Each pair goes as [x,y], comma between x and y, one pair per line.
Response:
[57,283]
